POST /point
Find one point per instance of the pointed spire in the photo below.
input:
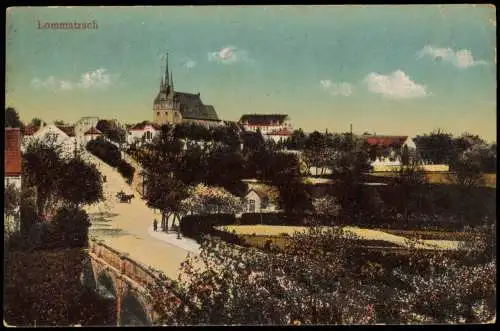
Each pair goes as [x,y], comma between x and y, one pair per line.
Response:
[172,80]
[166,71]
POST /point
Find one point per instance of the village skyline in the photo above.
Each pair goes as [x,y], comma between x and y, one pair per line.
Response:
[328,73]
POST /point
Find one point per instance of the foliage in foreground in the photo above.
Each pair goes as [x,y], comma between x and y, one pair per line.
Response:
[43,288]
[320,280]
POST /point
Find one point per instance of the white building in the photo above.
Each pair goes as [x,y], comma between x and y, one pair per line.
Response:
[142,132]
[91,134]
[82,126]
[258,201]
[12,175]
[395,146]
[266,123]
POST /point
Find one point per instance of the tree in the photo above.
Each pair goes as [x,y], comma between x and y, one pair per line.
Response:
[405,156]
[60,122]
[165,193]
[36,122]
[42,166]
[81,183]
[327,209]
[208,200]
[12,196]
[297,141]
[435,148]
[12,118]
[409,185]
[71,225]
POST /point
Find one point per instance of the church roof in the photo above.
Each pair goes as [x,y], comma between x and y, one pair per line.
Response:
[192,107]
[263,119]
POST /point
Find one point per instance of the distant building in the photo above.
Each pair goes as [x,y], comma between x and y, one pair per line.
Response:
[272,126]
[174,107]
[142,132]
[260,199]
[91,134]
[393,145]
[82,126]
[12,174]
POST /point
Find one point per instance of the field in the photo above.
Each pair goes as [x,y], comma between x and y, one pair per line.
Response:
[258,235]
[490,180]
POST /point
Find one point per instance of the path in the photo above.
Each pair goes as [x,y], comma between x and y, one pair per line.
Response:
[125,226]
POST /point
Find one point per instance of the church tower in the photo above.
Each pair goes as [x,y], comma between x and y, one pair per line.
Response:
[165,107]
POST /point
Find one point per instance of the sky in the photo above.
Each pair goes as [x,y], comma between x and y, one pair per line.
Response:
[402,70]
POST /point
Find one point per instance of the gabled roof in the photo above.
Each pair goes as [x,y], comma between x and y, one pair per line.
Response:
[282,132]
[260,193]
[92,131]
[69,130]
[385,141]
[12,152]
[262,119]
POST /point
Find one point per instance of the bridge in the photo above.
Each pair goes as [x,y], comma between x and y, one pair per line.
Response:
[117,277]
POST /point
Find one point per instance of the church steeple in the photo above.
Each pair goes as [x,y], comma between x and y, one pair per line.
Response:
[171,80]
[166,72]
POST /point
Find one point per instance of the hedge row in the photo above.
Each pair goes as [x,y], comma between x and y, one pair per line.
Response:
[195,226]
[272,219]
[110,154]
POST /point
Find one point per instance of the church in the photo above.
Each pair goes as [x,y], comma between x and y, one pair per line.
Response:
[175,107]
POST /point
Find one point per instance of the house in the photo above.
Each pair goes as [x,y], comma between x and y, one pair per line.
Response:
[142,132]
[266,123]
[91,134]
[392,145]
[260,199]
[12,174]
[63,135]
[82,126]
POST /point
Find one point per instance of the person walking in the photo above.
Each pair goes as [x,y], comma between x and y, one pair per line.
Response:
[155,225]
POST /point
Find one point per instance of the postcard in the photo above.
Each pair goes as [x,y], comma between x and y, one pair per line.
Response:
[250,165]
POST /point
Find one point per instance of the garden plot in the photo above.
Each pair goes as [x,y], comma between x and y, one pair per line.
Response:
[360,233]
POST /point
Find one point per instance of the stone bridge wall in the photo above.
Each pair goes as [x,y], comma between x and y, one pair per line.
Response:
[129,277]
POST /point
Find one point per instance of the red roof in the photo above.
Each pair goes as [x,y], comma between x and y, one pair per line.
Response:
[386,141]
[282,132]
[69,130]
[12,152]
[92,131]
